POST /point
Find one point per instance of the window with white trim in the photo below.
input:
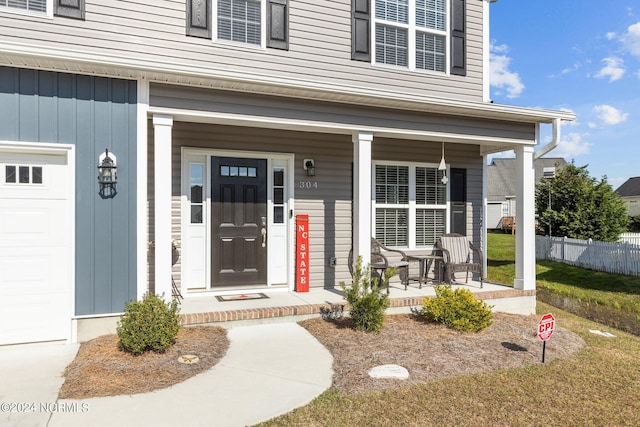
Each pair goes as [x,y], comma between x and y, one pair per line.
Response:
[240,21]
[505,208]
[25,5]
[410,204]
[411,33]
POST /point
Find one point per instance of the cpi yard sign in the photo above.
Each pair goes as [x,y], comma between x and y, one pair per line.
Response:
[545,329]
[546,326]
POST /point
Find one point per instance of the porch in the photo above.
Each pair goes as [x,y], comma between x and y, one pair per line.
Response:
[293,306]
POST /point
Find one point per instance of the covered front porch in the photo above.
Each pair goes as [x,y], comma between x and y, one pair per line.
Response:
[295,306]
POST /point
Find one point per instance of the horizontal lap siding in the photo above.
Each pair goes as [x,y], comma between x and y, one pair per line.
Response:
[328,206]
[180,97]
[319,45]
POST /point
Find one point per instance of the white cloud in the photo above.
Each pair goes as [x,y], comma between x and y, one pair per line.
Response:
[610,115]
[500,74]
[571,69]
[499,48]
[614,69]
[571,146]
[610,35]
[631,39]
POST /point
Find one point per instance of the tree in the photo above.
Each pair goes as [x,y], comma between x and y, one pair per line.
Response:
[575,205]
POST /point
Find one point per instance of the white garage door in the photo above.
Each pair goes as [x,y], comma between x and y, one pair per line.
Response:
[35,245]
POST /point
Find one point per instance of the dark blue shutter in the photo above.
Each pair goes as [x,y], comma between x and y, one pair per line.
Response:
[361,30]
[199,18]
[69,8]
[458,38]
[278,24]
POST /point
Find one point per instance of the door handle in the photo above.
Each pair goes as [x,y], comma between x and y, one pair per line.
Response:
[264,237]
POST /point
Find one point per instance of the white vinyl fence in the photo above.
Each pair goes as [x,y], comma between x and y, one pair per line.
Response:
[632,238]
[620,258]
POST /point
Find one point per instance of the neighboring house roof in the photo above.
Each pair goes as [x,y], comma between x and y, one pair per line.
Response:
[630,188]
[501,175]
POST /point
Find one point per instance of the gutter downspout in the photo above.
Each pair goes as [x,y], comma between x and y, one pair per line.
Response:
[555,140]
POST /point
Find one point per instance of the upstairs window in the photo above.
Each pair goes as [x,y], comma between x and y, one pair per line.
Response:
[48,8]
[411,33]
[38,6]
[240,21]
[256,23]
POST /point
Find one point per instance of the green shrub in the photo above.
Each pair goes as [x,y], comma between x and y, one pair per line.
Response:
[366,299]
[148,325]
[457,309]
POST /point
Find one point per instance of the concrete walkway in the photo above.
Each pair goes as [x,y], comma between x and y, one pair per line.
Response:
[268,370]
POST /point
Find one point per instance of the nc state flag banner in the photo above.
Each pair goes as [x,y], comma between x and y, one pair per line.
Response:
[302,253]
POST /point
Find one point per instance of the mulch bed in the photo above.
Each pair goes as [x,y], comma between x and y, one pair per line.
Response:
[428,351]
[431,351]
[102,369]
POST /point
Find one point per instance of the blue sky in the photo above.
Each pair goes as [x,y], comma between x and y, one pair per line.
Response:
[577,55]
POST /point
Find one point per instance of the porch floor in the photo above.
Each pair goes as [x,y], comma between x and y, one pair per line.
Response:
[295,306]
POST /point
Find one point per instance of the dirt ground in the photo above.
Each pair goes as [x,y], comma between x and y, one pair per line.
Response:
[428,351]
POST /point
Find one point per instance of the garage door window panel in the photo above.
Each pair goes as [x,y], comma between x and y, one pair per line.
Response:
[23,174]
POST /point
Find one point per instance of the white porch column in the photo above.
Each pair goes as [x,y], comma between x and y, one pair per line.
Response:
[525,220]
[362,224]
[162,203]
[484,222]
[141,190]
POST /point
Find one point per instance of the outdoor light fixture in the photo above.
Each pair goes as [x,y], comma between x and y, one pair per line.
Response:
[107,176]
[310,166]
[443,167]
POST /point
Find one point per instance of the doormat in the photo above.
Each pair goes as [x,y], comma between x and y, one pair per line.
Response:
[240,297]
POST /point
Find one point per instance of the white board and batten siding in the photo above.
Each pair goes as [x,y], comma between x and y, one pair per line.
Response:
[36,238]
[152,34]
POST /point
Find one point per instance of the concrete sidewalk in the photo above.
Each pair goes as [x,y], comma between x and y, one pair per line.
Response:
[268,370]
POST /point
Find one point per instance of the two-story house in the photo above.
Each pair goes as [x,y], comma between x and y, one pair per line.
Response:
[225,120]
[629,191]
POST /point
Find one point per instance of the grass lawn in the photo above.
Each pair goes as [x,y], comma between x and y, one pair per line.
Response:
[610,298]
[598,387]
[501,258]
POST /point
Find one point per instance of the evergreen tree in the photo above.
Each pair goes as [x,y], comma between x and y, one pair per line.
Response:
[581,207]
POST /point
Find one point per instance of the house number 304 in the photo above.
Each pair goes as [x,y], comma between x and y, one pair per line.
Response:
[307,184]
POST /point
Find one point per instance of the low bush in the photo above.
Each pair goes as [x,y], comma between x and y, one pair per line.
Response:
[368,302]
[457,309]
[148,325]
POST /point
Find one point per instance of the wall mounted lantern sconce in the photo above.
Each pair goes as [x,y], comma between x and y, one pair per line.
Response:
[310,166]
[443,167]
[107,174]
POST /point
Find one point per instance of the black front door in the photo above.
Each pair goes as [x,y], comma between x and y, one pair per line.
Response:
[238,221]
